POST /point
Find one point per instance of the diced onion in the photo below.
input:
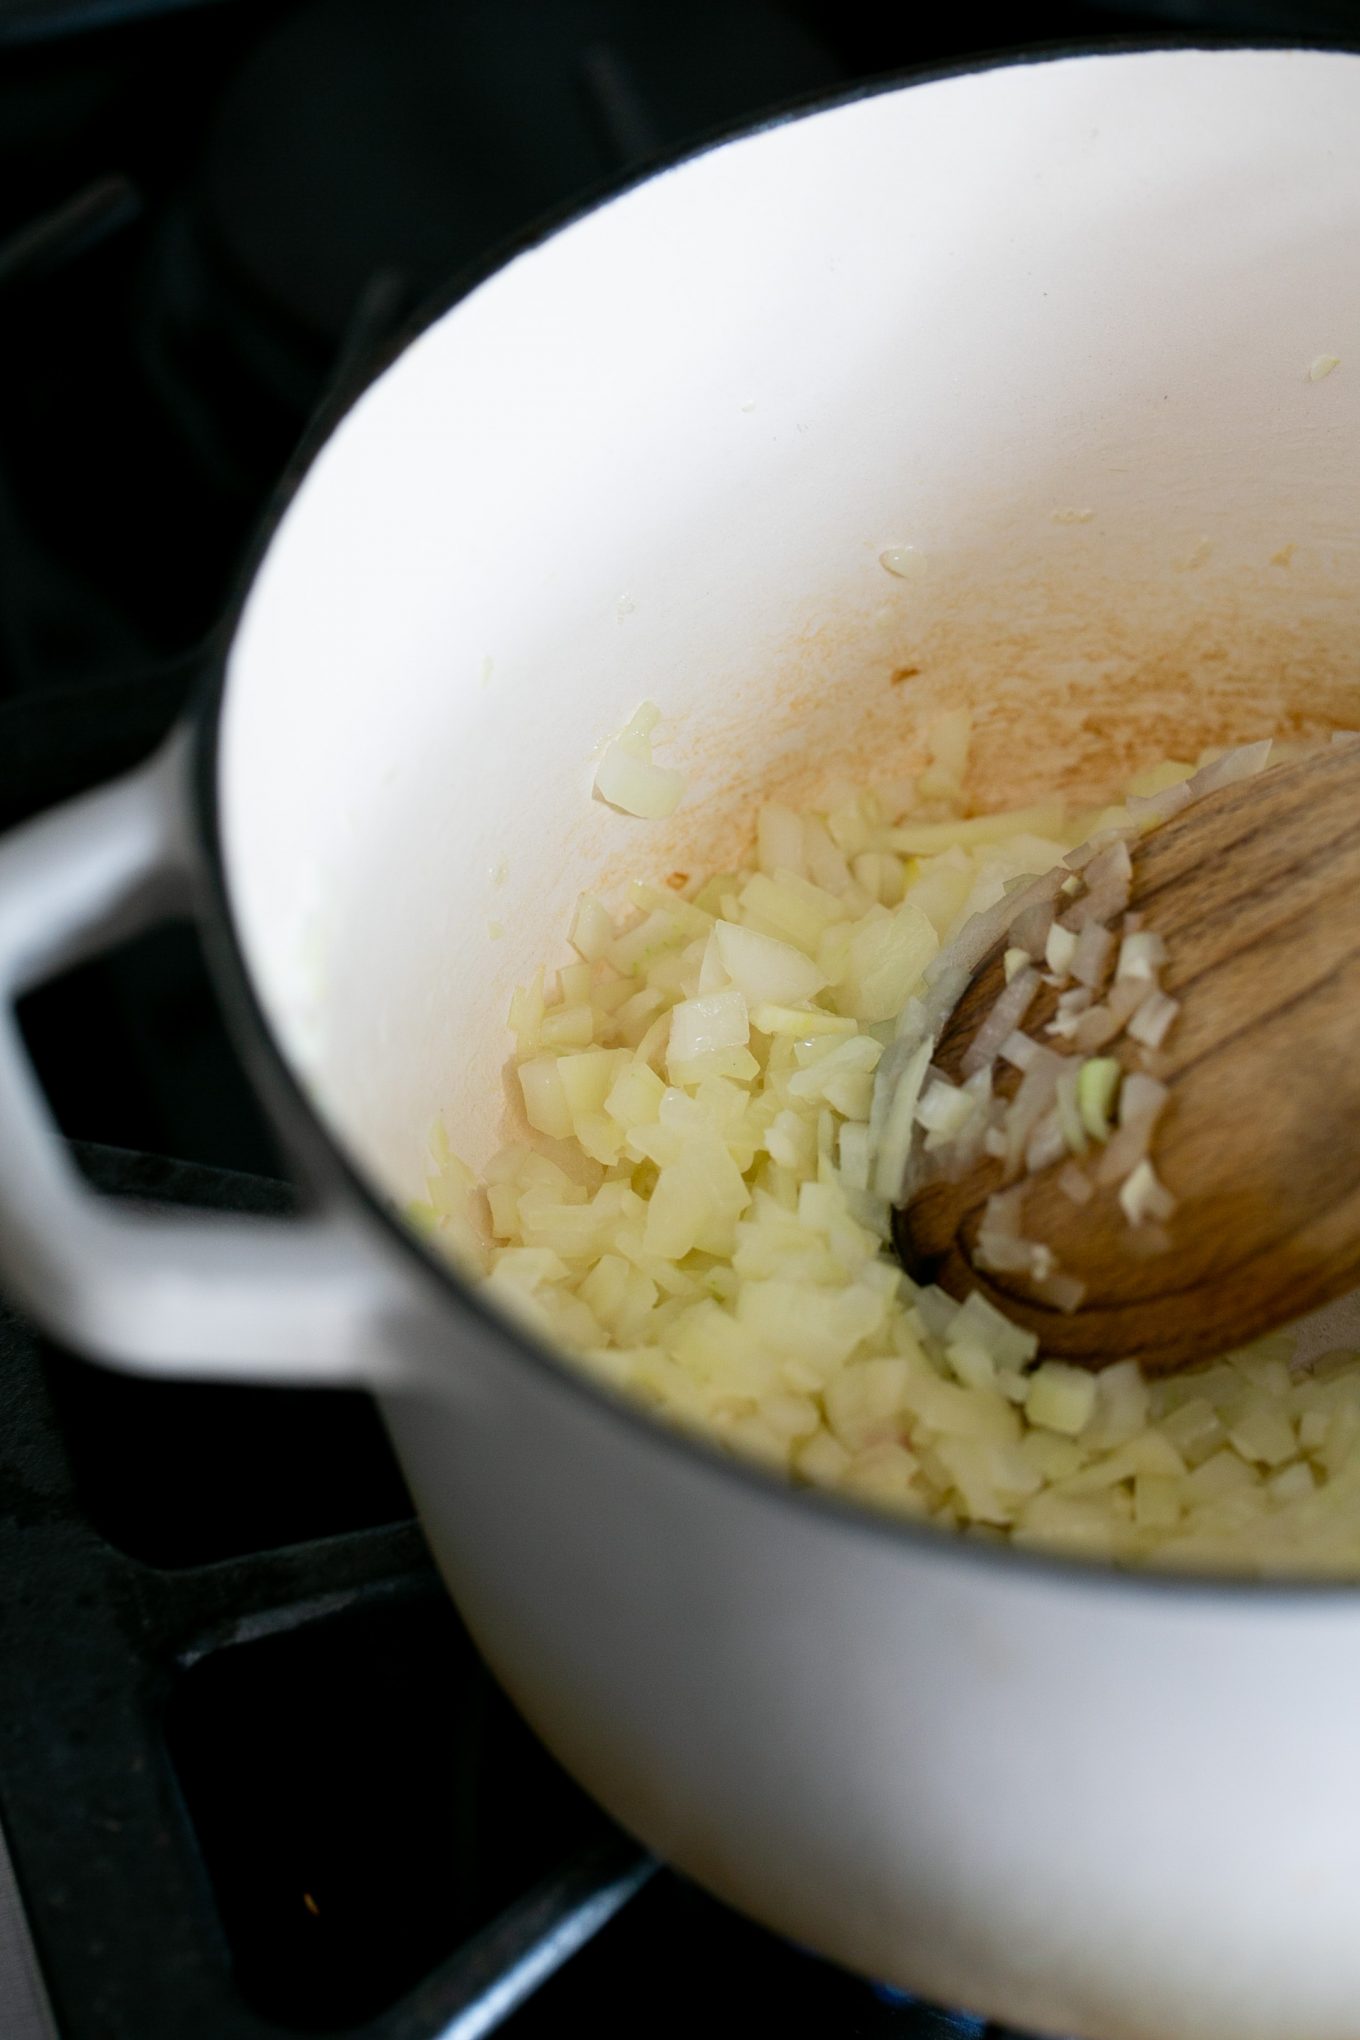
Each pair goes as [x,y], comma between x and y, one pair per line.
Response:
[1009,1010]
[1031,928]
[1071,1005]
[718,1020]
[1142,1196]
[1047,1142]
[1064,1292]
[1002,1213]
[982,932]
[1142,1100]
[766,971]
[1152,1022]
[1108,880]
[1067,1104]
[894,1150]
[1018,1049]
[1104,1023]
[1160,806]
[944,1108]
[999,1254]
[715,1243]
[1094,947]
[1033,1099]
[627,778]
[1243,763]
[1140,956]
[1097,1083]
[635,787]
[1061,1398]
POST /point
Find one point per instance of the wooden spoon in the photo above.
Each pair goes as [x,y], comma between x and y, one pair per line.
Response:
[1256,891]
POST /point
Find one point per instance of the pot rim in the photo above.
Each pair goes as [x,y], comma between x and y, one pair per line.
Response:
[323,1149]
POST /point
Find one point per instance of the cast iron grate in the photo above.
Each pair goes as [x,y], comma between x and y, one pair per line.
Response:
[364,1799]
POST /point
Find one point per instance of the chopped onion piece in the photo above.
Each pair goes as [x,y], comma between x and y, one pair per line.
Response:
[1010,1008]
[999,1254]
[1030,928]
[1142,1097]
[1059,949]
[1109,878]
[1068,1108]
[636,787]
[1071,1006]
[1047,1143]
[1151,1024]
[1018,1050]
[894,1149]
[718,1020]
[765,970]
[1147,810]
[1114,864]
[1001,1213]
[1013,961]
[1061,1398]
[628,780]
[982,1324]
[854,1154]
[1142,1196]
[592,929]
[937,1312]
[1097,1082]
[1064,1292]
[1140,956]
[1076,1184]
[1243,763]
[942,995]
[1141,1102]
[805,1023]
[1094,947]
[1087,852]
[980,934]
[944,1108]
[924,839]
[1103,1023]
[1030,1103]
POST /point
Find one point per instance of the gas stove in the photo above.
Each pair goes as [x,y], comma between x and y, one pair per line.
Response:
[254,1780]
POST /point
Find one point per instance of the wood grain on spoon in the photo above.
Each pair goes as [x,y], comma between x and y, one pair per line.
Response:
[1256,891]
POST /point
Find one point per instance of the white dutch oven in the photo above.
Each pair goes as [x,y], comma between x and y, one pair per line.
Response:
[1051,325]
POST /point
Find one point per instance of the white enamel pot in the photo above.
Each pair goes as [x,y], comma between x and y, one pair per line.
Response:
[1060,327]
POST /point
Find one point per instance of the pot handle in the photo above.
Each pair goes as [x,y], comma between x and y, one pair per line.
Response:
[218,1296]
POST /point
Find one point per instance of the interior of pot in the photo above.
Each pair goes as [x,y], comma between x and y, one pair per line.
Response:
[1058,328]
